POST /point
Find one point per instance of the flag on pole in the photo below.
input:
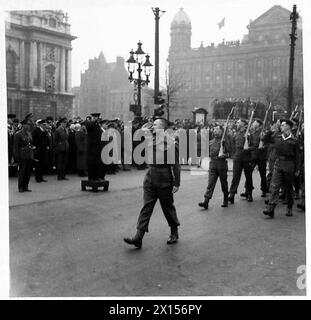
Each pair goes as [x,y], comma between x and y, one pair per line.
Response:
[221,23]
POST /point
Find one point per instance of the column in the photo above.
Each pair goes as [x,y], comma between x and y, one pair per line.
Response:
[68,76]
[62,70]
[39,65]
[33,64]
[22,64]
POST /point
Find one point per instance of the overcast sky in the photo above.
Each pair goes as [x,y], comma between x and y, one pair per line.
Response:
[116,26]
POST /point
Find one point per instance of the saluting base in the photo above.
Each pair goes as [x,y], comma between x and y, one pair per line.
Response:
[94,185]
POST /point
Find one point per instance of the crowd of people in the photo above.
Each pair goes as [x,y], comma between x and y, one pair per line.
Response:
[73,146]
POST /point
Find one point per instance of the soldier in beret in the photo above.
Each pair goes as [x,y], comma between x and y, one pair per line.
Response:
[161,182]
[241,161]
[258,156]
[286,167]
[218,167]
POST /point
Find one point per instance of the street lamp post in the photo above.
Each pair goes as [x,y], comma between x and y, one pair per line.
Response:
[293,17]
[137,61]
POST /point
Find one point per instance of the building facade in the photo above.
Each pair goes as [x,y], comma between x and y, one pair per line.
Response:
[249,68]
[105,88]
[38,64]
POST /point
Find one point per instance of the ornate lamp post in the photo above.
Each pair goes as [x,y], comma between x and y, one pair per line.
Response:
[137,62]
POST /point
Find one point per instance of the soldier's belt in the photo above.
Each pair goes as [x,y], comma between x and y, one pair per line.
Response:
[286,158]
[160,166]
[217,158]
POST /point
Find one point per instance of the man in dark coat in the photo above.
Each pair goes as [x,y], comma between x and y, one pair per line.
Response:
[94,133]
[161,182]
[81,143]
[61,148]
[23,154]
[72,151]
[39,137]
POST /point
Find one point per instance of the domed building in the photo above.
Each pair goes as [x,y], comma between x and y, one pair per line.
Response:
[233,69]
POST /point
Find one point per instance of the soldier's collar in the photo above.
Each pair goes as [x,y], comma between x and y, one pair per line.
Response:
[288,137]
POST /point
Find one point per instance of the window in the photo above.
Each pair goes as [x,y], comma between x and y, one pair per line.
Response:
[50,53]
[11,62]
[50,78]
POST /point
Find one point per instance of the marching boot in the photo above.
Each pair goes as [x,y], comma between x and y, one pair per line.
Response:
[301,206]
[204,204]
[225,203]
[266,201]
[289,212]
[136,240]
[173,236]
[231,198]
[249,197]
[269,211]
[244,194]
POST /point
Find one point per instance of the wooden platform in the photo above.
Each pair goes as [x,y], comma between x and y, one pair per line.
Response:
[94,185]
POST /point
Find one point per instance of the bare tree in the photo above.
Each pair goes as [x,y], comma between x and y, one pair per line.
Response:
[174,86]
[278,95]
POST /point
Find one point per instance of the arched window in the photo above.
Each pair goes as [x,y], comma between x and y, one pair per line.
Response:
[50,78]
[11,64]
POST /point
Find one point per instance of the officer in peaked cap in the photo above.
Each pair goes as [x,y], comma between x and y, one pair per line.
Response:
[23,154]
[61,148]
[39,137]
[94,133]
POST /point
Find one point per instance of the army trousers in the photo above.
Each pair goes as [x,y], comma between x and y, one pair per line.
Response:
[262,168]
[270,172]
[158,185]
[217,168]
[283,176]
[238,166]
[61,163]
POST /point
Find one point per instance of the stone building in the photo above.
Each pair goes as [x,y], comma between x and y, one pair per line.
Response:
[233,69]
[105,88]
[38,63]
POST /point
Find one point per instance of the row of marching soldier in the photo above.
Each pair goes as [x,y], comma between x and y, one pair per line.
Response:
[279,147]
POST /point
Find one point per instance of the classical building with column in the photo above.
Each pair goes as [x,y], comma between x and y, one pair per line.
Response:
[252,67]
[38,64]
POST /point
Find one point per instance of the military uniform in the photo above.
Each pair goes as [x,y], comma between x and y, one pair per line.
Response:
[286,164]
[23,154]
[218,167]
[158,184]
[241,161]
[258,158]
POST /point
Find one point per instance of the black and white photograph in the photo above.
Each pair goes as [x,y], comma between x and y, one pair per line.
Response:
[154,149]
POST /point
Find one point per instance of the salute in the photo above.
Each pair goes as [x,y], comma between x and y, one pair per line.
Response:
[285,168]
